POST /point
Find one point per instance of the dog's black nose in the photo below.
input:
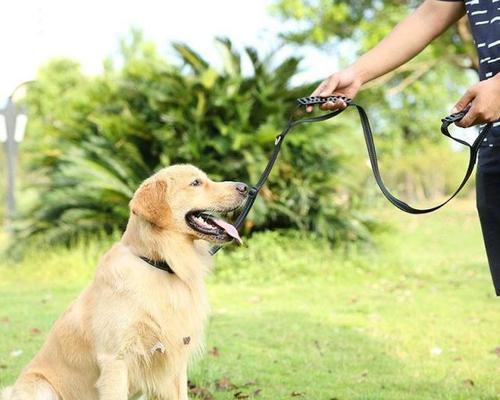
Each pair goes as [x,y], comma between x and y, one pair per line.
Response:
[242,188]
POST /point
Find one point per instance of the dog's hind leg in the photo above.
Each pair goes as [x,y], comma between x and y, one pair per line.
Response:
[113,380]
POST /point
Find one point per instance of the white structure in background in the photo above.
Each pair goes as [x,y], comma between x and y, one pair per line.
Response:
[13,120]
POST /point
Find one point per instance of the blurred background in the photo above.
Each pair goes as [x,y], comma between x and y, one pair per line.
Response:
[97,96]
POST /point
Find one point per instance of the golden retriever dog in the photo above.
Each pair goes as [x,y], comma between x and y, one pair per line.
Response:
[133,330]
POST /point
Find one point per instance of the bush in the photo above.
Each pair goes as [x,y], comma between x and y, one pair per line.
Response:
[94,139]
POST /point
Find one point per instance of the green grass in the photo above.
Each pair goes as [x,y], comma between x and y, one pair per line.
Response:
[413,317]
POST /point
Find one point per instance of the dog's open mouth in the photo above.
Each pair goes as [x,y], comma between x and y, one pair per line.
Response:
[209,224]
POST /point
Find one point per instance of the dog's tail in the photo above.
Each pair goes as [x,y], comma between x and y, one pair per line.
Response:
[6,394]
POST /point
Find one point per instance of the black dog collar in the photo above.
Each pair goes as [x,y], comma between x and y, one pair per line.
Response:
[163,265]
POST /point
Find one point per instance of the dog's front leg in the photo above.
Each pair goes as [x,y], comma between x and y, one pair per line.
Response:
[182,383]
[113,379]
[175,387]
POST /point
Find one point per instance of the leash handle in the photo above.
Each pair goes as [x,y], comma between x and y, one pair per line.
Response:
[318,100]
[452,118]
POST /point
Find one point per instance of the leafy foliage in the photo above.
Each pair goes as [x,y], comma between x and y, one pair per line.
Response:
[417,94]
[94,139]
[405,106]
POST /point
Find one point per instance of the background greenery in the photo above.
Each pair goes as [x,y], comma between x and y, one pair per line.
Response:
[95,139]
[319,304]
[92,140]
[406,105]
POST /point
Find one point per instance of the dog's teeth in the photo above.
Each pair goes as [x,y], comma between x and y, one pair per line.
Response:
[202,222]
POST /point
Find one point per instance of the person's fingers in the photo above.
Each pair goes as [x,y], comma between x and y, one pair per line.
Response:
[331,106]
[330,86]
[317,92]
[327,90]
[464,101]
[470,118]
[320,88]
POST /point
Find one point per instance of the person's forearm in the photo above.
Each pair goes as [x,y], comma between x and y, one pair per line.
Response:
[408,38]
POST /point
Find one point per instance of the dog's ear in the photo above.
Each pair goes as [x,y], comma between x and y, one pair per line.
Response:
[150,203]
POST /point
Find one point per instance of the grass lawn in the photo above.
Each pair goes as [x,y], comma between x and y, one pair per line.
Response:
[413,317]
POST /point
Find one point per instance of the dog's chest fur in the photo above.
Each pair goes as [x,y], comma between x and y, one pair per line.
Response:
[163,340]
[165,322]
[174,325]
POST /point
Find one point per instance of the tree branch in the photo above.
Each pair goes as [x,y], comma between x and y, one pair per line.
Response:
[422,69]
[463,30]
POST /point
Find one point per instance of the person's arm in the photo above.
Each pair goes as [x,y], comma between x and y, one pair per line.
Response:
[405,41]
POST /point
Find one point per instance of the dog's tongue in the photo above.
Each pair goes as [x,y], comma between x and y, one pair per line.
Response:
[230,229]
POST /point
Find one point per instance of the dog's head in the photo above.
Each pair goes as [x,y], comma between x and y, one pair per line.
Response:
[183,199]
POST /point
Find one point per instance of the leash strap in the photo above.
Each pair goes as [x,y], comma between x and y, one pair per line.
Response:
[254,190]
[446,122]
[372,154]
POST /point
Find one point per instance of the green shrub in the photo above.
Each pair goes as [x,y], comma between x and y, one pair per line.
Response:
[94,139]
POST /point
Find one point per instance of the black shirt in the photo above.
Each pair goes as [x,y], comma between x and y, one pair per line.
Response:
[484,18]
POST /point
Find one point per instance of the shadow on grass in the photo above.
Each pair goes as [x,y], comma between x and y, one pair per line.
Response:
[280,355]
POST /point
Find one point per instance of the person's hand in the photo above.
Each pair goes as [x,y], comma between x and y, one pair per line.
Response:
[342,83]
[484,101]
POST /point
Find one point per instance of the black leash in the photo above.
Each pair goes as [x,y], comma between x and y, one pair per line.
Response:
[372,153]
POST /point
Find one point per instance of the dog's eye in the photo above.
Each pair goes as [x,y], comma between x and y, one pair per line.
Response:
[196,182]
